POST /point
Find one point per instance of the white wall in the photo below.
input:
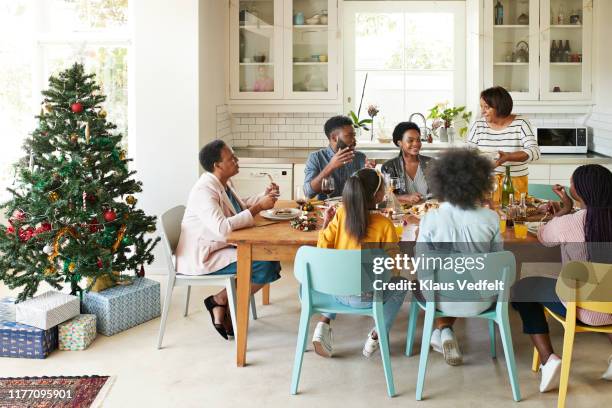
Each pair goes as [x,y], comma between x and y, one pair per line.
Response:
[165,102]
[601,119]
[213,58]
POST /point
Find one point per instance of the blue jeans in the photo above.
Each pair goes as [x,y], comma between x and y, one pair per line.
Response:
[263,271]
[392,302]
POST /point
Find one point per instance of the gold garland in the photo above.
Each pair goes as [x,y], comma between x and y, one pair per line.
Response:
[119,237]
[63,231]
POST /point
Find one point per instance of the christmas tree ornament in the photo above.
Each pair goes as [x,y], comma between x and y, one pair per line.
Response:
[102,113]
[53,196]
[18,215]
[99,263]
[127,241]
[87,134]
[120,236]
[122,155]
[10,230]
[94,226]
[48,249]
[71,266]
[141,273]
[50,271]
[48,108]
[131,200]
[74,138]
[151,228]
[76,107]
[110,215]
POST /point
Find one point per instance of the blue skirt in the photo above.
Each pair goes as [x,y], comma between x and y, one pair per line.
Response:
[263,271]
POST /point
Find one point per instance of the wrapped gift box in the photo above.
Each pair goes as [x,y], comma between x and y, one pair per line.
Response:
[77,333]
[7,309]
[48,310]
[121,307]
[20,340]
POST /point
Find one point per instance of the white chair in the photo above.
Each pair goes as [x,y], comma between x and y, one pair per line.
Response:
[170,226]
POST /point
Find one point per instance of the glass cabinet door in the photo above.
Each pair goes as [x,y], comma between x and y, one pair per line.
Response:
[310,49]
[566,49]
[513,46]
[256,49]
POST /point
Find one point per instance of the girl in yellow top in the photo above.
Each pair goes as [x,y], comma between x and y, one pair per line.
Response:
[353,224]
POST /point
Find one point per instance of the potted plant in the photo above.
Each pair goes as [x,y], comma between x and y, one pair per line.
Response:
[359,124]
[444,117]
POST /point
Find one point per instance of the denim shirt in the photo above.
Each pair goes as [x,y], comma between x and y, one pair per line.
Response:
[317,161]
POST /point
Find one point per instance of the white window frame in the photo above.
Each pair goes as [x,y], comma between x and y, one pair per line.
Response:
[457,8]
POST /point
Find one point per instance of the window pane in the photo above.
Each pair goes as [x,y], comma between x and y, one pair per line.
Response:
[385,89]
[18,107]
[82,15]
[379,41]
[429,40]
[110,66]
[424,89]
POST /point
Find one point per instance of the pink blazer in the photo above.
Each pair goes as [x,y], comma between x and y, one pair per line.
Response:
[208,220]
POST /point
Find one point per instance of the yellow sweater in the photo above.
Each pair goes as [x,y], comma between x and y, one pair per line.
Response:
[380,229]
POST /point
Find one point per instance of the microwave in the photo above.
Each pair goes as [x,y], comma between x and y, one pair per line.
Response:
[562,139]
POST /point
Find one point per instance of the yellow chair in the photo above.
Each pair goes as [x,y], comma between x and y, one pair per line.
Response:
[581,285]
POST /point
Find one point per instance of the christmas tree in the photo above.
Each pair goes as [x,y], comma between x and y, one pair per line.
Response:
[72,211]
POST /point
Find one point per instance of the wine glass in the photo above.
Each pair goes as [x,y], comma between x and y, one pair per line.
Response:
[300,196]
[327,185]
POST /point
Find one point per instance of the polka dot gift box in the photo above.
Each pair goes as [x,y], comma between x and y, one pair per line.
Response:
[78,333]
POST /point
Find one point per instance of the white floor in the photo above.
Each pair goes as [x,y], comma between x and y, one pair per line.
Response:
[196,367]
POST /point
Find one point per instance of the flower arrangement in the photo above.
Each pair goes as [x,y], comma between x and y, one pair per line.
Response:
[445,116]
[360,123]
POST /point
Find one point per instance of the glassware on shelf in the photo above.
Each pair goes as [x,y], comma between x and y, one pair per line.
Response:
[499,13]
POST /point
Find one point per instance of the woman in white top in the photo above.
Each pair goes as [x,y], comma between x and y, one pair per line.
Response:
[509,135]
[461,179]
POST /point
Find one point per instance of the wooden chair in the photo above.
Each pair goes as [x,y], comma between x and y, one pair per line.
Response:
[585,285]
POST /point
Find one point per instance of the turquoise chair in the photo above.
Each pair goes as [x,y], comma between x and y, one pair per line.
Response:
[497,266]
[544,191]
[323,274]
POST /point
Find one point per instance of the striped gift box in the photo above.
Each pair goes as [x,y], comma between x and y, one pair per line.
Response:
[48,310]
[78,333]
[7,309]
[23,341]
[121,307]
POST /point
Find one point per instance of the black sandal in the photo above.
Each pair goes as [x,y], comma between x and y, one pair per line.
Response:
[210,304]
[230,329]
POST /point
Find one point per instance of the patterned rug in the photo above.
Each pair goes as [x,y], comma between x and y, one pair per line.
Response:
[54,392]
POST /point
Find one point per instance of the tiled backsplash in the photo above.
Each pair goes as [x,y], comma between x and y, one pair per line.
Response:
[601,123]
[299,129]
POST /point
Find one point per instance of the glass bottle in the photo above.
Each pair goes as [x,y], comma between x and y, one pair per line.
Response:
[553,51]
[566,52]
[522,209]
[511,210]
[507,188]
[499,13]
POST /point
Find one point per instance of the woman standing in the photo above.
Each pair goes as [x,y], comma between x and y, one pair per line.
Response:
[585,235]
[409,165]
[509,135]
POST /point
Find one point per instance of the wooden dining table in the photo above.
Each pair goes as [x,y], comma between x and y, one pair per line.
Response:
[277,241]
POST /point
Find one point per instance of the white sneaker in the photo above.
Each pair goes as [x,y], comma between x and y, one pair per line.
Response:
[450,347]
[608,374]
[436,341]
[322,340]
[551,372]
[370,346]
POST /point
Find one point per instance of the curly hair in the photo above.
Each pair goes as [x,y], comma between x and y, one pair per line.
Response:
[403,127]
[336,122]
[211,154]
[461,177]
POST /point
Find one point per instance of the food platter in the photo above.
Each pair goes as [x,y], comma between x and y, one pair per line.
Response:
[281,214]
[419,210]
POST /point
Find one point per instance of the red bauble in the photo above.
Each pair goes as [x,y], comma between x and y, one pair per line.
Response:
[76,107]
[10,229]
[18,215]
[110,215]
[45,226]
[91,198]
[99,263]
[26,234]
[93,225]
[141,273]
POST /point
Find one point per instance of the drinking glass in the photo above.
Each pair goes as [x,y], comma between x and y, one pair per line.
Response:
[300,196]
[502,223]
[520,229]
[327,185]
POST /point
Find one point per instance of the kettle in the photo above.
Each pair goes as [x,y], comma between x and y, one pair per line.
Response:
[521,52]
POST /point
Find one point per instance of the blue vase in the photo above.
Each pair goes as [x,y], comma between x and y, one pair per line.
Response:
[298,18]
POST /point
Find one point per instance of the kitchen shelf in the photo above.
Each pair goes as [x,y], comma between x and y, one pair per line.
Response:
[511,26]
[566,26]
[310,63]
[566,64]
[307,26]
[511,64]
[257,27]
[255,63]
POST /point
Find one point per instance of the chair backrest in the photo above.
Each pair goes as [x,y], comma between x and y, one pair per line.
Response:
[543,191]
[340,272]
[493,273]
[588,284]
[170,227]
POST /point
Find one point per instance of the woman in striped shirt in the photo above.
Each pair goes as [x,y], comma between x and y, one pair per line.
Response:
[583,235]
[508,135]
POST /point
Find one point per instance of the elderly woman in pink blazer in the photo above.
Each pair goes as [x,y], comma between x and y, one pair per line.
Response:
[213,211]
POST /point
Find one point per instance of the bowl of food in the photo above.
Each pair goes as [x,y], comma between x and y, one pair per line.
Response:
[304,222]
[259,58]
[314,20]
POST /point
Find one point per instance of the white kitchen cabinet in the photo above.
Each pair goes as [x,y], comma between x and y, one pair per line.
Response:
[253,179]
[298,176]
[543,76]
[284,50]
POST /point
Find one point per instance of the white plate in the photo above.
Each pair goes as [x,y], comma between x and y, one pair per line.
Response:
[533,227]
[287,214]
